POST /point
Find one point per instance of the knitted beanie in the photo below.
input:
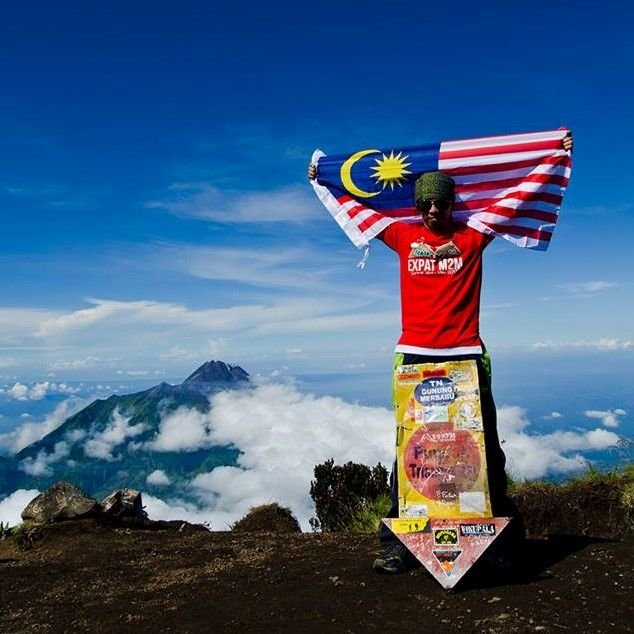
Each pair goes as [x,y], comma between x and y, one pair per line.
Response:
[433,186]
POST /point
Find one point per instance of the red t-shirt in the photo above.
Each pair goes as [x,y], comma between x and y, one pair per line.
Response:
[441,276]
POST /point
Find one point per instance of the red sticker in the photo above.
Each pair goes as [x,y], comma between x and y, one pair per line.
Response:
[441,462]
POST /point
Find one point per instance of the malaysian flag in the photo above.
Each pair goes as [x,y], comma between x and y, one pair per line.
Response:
[509,186]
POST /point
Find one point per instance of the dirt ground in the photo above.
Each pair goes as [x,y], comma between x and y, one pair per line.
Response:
[81,576]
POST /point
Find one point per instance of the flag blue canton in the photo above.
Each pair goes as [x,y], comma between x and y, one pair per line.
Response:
[362,175]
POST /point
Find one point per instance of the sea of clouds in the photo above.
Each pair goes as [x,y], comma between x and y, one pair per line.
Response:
[282,433]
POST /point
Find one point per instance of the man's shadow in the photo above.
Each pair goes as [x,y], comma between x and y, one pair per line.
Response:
[534,559]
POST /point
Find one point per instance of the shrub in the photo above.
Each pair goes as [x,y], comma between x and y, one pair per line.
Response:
[349,497]
[5,530]
[26,534]
[270,518]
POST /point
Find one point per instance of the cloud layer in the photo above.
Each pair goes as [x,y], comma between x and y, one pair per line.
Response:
[283,433]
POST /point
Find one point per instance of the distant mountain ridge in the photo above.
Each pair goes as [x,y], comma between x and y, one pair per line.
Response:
[213,372]
[109,443]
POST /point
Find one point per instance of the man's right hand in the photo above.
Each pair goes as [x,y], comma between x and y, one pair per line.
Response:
[312,171]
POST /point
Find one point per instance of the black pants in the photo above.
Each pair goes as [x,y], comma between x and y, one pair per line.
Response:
[501,504]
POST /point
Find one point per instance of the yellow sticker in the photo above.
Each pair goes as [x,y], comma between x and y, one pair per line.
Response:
[409,525]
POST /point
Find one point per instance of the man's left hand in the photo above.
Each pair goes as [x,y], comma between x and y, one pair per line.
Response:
[567,142]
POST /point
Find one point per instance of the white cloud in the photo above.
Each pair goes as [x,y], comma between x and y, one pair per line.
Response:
[210,349]
[535,456]
[610,417]
[19,391]
[40,465]
[282,434]
[201,200]
[12,506]
[553,416]
[158,478]
[30,432]
[158,509]
[599,344]
[102,444]
[588,288]
[182,430]
[298,267]
[37,391]
[178,353]
[146,314]
[21,322]
[80,364]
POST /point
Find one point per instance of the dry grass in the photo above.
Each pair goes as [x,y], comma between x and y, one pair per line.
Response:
[596,504]
[269,518]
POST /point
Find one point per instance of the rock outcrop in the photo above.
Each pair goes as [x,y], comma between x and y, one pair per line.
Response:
[62,501]
[124,506]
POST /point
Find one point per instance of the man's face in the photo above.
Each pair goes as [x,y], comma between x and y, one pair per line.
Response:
[436,214]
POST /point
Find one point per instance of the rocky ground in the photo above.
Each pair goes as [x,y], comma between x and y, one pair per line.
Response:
[82,576]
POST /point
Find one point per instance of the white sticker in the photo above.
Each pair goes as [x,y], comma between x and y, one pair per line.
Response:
[472,502]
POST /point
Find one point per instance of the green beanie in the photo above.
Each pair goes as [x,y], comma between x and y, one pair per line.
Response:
[433,186]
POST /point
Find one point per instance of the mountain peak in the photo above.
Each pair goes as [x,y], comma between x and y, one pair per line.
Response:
[217,372]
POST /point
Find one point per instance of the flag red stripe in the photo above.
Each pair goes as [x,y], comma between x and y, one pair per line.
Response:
[355,211]
[370,221]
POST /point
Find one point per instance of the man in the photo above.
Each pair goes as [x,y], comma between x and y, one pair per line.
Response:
[440,280]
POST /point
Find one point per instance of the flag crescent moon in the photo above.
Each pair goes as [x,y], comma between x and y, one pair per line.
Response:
[346,176]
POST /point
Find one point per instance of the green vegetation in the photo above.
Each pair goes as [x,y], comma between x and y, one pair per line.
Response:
[351,497]
[5,530]
[26,534]
[366,518]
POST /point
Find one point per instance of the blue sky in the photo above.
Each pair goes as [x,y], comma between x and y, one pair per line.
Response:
[156,212]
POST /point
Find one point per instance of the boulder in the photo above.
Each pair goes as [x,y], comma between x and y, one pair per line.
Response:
[62,501]
[124,505]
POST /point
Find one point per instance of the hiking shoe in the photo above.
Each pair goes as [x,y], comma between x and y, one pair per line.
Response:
[395,559]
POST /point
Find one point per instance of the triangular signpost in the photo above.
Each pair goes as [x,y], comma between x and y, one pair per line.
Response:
[445,517]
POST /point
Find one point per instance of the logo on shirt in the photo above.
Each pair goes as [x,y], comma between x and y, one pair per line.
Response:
[427,260]
[424,250]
